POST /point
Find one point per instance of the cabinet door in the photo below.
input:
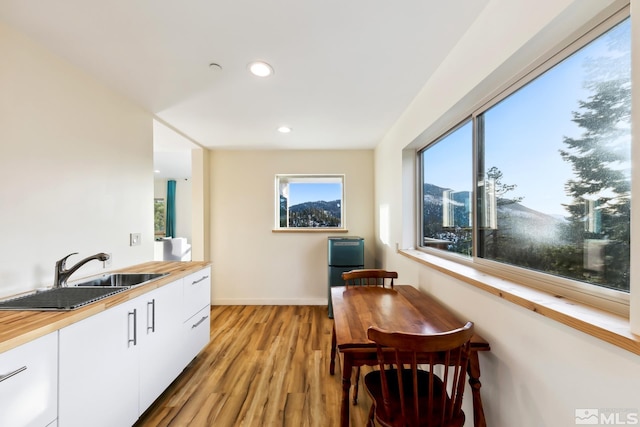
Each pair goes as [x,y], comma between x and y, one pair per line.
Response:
[160,341]
[29,383]
[196,332]
[197,292]
[98,370]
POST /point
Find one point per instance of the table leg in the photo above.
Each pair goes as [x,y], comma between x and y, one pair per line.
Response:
[355,386]
[346,385]
[332,363]
[473,369]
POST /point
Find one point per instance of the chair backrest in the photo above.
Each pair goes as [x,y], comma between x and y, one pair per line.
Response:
[369,277]
[423,397]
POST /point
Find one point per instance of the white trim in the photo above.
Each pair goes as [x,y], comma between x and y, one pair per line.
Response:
[310,179]
[635,171]
[269,301]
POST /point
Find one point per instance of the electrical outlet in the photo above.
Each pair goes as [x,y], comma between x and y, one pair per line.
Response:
[134,239]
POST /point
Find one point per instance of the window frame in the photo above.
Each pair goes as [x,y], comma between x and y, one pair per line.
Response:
[420,187]
[310,178]
[608,299]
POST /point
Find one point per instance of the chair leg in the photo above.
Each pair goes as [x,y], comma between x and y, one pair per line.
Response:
[355,386]
[370,422]
[332,362]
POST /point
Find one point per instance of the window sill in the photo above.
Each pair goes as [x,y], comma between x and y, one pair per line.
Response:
[601,324]
[310,230]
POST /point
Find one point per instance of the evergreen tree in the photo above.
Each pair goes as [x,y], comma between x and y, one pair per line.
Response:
[600,159]
[496,242]
[501,189]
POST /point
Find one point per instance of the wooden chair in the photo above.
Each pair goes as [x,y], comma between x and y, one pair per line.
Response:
[369,277]
[366,277]
[407,396]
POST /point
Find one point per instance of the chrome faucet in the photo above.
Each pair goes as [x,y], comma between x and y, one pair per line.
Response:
[62,274]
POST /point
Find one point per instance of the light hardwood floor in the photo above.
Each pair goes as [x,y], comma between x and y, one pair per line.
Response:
[264,366]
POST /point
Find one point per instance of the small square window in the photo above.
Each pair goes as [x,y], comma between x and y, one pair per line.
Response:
[309,202]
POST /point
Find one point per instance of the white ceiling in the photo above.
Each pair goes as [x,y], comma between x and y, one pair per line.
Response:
[344,70]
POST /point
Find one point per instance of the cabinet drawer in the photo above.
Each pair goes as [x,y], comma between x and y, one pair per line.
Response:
[29,383]
[197,292]
[196,333]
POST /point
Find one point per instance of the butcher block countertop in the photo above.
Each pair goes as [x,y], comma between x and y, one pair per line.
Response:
[20,327]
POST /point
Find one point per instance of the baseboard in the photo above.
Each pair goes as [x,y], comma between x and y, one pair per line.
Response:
[269,301]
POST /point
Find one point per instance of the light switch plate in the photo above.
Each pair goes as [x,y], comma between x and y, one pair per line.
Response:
[134,239]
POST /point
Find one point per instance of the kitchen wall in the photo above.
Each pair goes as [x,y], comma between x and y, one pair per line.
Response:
[76,168]
[251,263]
[539,372]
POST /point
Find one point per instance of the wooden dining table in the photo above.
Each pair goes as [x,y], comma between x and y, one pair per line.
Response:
[403,308]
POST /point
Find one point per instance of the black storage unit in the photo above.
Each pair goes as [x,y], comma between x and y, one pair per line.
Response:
[344,254]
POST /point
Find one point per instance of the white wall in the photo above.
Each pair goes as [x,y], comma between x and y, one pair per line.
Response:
[538,371]
[252,264]
[200,205]
[76,169]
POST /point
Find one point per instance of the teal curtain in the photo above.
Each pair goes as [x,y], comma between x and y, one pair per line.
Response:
[171,208]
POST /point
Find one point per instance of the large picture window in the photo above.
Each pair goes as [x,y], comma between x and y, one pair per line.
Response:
[552,161]
[309,202]
[447,194]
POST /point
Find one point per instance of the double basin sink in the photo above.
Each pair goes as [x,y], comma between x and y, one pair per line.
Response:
[120,280]
[81,293]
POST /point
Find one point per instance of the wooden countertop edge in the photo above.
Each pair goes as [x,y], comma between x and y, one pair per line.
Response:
[20,327]
[609,327]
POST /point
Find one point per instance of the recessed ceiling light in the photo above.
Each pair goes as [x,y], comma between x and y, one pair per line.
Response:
[156,171]
[215,67]
[260,69]
[284,129]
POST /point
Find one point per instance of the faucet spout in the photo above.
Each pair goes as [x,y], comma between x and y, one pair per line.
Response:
[62,273]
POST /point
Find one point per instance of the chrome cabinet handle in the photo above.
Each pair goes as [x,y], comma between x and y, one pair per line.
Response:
[10,374]
[151,328]
[199,322]
[133,313]
[199,280]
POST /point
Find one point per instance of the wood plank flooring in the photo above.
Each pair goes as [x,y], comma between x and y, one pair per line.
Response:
[264,366]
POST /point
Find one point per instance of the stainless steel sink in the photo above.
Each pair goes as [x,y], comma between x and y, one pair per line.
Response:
[68,298]
[78,294]
[119,280]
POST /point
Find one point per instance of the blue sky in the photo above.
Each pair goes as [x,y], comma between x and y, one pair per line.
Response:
[306,192]
[526,152]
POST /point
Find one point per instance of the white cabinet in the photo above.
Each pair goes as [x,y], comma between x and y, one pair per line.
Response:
[113,365]
[196,312]
[197,292]
[29,383]
[118,362]
[196,332]
[160,342]
[98,369]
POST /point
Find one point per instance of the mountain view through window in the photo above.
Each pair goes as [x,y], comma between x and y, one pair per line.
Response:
[553,172]
[310,202]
